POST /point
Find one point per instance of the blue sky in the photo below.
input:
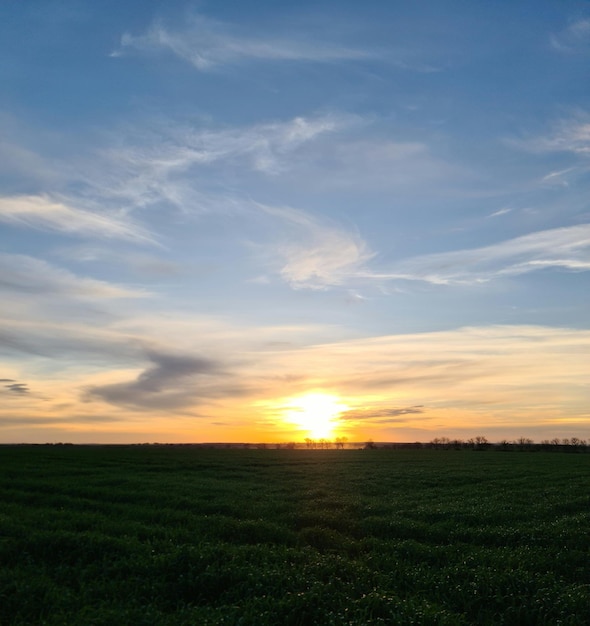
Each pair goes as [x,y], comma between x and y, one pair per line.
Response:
[211,211]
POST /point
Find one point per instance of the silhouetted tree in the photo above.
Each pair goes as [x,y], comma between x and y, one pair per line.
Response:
[524,443]
[478,443]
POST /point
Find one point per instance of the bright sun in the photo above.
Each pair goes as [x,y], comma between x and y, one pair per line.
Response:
[315,413]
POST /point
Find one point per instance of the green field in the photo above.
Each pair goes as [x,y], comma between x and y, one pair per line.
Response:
[185,535]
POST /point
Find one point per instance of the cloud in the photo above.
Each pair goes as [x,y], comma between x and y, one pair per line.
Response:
[565,248]
[72,420]
[383,415]
[494,376]
[147,266]
[20,273]
[62,340]
[15,387]
[569,135]
[573,39]
[18,388]
[317,254]
[168,383]
[207,44]
[175,149]
[44,213]
[499,212]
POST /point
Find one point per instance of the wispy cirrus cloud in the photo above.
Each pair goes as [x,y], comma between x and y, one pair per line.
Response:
[568,135]
[206,44]
[173,149]
[44,213]
[565,248]
[575,38]
[325,255]
[24,274]
[317,253]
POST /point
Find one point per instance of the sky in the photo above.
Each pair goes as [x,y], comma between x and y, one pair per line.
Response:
[227,221]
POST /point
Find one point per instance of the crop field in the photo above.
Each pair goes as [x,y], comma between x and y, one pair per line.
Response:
[185,535]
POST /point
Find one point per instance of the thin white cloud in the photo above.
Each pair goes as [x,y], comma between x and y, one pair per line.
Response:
[316,254]
[566,248]
[20,273]
[260,147]
[573,39]
[500,212]
[207,43]
[44,213]
[319,255]
[569,135]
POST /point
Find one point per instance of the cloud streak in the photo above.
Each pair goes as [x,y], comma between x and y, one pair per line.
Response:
[24,274]
[207,44]
[44,213]
[383,415]
[15,387]
[561,248]
[569,135]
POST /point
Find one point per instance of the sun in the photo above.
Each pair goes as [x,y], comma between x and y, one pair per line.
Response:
[315,413]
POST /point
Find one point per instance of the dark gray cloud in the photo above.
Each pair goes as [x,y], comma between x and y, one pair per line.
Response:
[15,387]
[384,416]
[172,381]
[18,388]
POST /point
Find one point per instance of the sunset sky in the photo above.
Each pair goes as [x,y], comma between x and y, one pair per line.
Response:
[265,221]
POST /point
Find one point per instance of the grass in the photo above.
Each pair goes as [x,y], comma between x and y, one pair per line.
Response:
[182,535]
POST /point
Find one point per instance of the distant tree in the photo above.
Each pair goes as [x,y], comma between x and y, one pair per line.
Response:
[479,443]
[339,442]
[577,444]
[290,445]
[524,443]
[370,445]
[309,442]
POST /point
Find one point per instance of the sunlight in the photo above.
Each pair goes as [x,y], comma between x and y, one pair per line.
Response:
[315,413]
